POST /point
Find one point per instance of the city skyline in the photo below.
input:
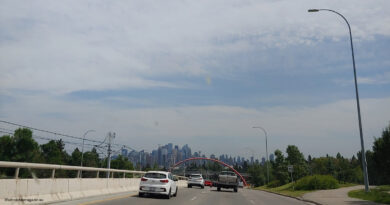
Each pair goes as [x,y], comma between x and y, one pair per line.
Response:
[167,155]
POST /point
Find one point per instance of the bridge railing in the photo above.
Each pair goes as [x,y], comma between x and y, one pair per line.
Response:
[54,167]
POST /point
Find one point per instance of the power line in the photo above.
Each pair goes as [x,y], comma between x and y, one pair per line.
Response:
[55,133]
[69,136]
[8,131]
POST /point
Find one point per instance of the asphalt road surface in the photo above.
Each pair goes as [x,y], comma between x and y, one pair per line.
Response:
[192,196]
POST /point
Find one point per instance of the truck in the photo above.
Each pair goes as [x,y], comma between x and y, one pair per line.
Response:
[226,180]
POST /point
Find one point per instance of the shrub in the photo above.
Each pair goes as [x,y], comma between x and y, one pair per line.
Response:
[316,182]
[273,184]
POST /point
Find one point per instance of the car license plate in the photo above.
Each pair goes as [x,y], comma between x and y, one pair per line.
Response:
[152,189]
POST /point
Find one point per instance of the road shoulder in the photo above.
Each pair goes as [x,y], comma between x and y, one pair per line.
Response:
[336,197]
[298,198]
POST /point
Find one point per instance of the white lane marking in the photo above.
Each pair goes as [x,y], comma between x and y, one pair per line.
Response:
[252,201]
[193,198]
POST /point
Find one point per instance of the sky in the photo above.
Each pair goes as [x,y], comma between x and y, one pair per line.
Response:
[200,72]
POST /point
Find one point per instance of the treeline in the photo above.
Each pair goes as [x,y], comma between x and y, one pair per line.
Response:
[345,170]
[21,147]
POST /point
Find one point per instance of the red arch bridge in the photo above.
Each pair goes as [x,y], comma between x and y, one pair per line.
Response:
[213,160]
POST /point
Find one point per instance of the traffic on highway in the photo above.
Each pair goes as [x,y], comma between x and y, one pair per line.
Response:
[194,196]
[155,185]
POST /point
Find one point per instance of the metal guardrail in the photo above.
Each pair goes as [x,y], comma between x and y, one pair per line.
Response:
[54,167]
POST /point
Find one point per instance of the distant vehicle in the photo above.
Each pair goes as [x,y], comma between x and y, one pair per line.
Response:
[195,180]
[159,183]
[208,183]
[240,184]
[227,180]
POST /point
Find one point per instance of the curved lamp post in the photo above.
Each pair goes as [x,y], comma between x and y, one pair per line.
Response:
[266,149]
[82,149]
[366,183]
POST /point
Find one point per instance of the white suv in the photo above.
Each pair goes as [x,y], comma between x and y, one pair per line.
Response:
[157,182]
[195,180]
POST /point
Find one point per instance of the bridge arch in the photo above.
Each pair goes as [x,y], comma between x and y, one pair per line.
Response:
[213,160]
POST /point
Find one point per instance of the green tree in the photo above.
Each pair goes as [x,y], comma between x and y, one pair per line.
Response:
[122,163]
[381,156]
[53,152]
[296,158]
[257,174]
[280,167]
[20,147]
[7,148]
[91,158]
[75,160]
[26,148]
[319,166]
[75,157]
[330,166]
[7,151]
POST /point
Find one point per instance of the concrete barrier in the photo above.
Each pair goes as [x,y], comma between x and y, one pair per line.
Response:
[181,183]
[38,191]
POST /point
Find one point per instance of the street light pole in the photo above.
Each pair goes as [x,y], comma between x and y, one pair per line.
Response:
[366,182]
[266,149]
[82,151]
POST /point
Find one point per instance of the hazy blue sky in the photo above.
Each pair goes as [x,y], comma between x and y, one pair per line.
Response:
[198,72]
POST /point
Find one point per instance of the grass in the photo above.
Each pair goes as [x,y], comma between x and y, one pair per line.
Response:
[379,194]
[286,189]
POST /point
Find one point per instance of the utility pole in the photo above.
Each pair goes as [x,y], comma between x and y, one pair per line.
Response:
[111,136]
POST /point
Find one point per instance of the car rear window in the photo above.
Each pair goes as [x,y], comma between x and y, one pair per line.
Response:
[155,175]
[228,173]
[195,176]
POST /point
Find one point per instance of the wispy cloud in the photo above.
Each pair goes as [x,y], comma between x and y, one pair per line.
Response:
[381,79]
[73,45]
[378,79]
[199,68]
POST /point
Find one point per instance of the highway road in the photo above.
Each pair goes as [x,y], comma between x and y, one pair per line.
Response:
[199,196]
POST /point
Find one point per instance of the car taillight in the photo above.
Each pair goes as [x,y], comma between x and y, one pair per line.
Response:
[144,179]
[164,181]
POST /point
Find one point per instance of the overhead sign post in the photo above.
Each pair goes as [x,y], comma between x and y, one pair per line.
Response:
[290,169]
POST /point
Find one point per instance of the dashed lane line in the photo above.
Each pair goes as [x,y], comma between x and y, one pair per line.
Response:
[109,199]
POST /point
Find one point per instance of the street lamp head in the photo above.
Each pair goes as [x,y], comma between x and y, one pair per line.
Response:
[313,10]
